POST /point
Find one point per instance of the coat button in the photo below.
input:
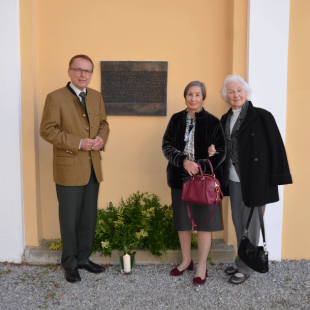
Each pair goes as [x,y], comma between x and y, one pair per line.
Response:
[84,115]
[252,134]
[87,129]
[255,159]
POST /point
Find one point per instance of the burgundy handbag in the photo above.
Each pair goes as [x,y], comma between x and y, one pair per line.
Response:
[203,189]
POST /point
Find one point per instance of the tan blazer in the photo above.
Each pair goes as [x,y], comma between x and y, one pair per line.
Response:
[64,123]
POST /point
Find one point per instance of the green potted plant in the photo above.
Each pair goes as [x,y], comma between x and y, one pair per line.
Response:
[139,222]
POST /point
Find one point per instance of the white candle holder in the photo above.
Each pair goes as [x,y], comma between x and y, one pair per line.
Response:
[127,262]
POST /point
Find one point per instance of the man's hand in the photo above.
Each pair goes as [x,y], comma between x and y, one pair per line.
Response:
[87,144]
[98,144]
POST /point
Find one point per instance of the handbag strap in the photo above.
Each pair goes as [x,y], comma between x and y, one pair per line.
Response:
[192,220]
[201,173]
[261,220]
[211,167]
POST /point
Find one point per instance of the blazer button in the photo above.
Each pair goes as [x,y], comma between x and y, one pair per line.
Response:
[252,134]
[84,115]
[255,159]
[87,129]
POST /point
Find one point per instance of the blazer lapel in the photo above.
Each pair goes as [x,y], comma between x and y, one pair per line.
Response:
[251,114]
[224,117]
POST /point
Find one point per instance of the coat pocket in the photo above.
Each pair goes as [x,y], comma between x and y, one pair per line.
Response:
[63,160]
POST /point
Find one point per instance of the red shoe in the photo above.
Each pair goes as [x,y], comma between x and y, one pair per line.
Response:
[177,272]
[199,281]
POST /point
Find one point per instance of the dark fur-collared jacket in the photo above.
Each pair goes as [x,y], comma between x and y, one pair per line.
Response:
[208,130]
[262,158]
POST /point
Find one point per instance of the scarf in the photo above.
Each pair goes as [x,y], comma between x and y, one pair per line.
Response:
[231,139]
[238,122]
[189,149]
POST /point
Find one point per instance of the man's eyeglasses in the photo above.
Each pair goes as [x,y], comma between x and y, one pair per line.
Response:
[80,71]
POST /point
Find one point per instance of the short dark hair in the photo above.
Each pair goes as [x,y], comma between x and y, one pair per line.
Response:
[81,56]
[196,83]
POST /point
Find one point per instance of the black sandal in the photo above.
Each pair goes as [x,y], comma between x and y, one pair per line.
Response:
[231,270]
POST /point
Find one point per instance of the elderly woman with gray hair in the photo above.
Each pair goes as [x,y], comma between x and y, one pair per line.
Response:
[255,163]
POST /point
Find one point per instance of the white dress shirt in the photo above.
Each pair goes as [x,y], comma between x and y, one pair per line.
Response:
[77,91]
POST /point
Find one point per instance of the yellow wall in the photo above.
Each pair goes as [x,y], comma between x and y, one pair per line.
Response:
[238,40]
[198,39]
[296,215]
[203,40]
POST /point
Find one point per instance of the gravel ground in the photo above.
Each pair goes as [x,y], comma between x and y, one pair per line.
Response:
[286,286]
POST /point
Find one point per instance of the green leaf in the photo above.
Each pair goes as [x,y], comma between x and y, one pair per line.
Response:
[125,227]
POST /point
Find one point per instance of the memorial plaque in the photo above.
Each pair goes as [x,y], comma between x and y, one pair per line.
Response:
[134,87]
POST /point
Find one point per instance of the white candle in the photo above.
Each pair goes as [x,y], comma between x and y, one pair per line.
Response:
[126,260]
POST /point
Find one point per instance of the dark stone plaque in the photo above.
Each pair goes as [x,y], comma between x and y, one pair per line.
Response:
[134,87]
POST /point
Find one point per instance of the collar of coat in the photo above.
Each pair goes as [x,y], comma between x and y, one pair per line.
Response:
[251,114]
[72,91]
[199,114]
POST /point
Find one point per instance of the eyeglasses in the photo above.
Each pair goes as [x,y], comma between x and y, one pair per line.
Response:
[80,71]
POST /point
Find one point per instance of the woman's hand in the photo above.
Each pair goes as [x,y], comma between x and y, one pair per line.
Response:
[191,167]
[211,150]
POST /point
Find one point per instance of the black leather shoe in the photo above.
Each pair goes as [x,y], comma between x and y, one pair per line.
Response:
[231,270]
[72,275]
[238,278]
[92,267]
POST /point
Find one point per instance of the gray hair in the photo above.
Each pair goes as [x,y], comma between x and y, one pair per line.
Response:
[235,78]
[196,83]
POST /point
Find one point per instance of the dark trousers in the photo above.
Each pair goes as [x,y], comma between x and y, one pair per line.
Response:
[240,214]
[77,219]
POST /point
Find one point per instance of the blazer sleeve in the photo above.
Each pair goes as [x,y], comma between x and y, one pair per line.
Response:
[104,130]
[218,139]
[174,156]
[50,128]
[280,172]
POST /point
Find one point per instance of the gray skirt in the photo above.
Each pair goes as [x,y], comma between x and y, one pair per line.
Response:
[199,213]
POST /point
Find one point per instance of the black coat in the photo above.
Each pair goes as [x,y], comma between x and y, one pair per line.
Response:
[208,131]
[262,158]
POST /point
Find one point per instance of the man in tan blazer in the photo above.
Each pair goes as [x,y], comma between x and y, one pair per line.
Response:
[74,122]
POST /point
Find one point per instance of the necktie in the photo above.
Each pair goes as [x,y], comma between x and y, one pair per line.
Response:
[82,94]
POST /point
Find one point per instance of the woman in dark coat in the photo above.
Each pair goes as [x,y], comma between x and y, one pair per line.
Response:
[185,143]
[255,164]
